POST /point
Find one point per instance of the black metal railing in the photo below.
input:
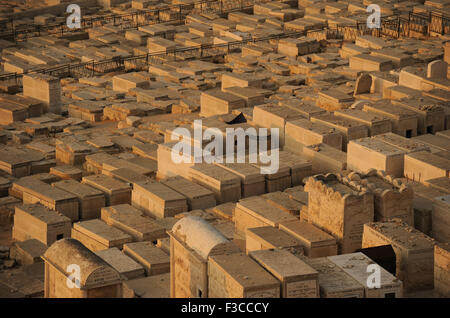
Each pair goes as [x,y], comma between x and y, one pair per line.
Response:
[143,61]
[391,26]
[171,13]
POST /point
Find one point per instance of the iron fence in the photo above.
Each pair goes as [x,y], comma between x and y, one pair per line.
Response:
[171,13]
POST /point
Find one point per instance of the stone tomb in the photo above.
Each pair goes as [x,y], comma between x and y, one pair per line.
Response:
[367,153]
[333,99]
[256,212]
[341,211]
[414,252]
[356,265]
[252,182]
[238,276]
[430,114]
[27,252]
[404,122]
[408,145]
[197,196]
[98,279]
[132,221]
[283,201]
[333,281]
[154,260]
[36,191]
[440,218]
[299,167]
[168,168]
[44,88]
[278,180]
[350,129]
[422,166]
[315,242]
[376,123]
[442,269]
[126,175]
[157,286]
[268,237]
[216,102]
[225,184]
[116,192]
[298,279]
[301,132]
[125,265]
[325,158]
[271,116]
[97,235]
[158,200]
[67,172]
[369,63]
[392,198]
[34,221]
[192,243]
[90,200]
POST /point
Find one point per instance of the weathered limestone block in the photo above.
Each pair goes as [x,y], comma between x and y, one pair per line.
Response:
[371,42]
[34,221]
[334,282]
[414,252]
[369,63]
[298,279]
[422,165]
[67,172]
[325,158]
[152,258]
[225,185]
[333,99]
[133,222]
[441,219]
[96,235]
[296,47]
[442,269]
[255,212]
[125,265]
[36,191]
[11,113]
[116,192]
[301,132]
[393,199]
[404,121]
[216,102]
[316,243]
[157,199]
[252,182]
[370,153]
[99,278]
[193,242]
[125,82]
[430,113]
[341,211]
[271,116]
[377,124]
[241,80]
[73,153]
[197,196]
[349,128]
[356,265]
[27,252]
[223,280]
[90,200]
[284,202]
[44,88]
